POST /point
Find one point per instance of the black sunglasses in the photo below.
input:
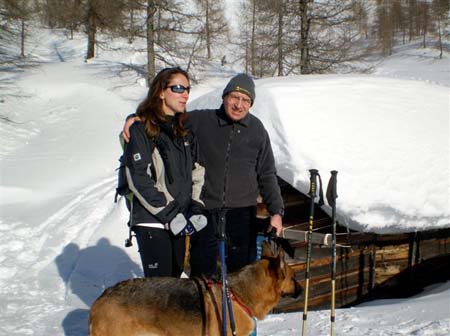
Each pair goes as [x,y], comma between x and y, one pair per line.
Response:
[179,88]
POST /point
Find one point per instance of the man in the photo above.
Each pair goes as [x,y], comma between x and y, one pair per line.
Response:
[239,163]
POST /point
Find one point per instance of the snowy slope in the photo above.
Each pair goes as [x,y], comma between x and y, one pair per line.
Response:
[61,240]
[416,63]
[57,182]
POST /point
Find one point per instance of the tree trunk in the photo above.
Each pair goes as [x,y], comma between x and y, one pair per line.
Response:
[208,31]
[151,10]
[22,39]
[192,54]
[253,42]
[440,37]
[246,56]
[92,29]
[425,23]
[49,15]
[304,35]
[412,18]
[131,36]
[280,39]
[158,28]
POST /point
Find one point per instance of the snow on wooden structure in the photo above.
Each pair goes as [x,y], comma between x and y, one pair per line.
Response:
[368,266]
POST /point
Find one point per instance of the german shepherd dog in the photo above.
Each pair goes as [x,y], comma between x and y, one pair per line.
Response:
[179,307]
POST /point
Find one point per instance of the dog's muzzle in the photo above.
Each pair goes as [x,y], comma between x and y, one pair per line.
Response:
[296,292]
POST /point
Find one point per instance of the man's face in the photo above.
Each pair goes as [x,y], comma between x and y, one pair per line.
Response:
[237,105]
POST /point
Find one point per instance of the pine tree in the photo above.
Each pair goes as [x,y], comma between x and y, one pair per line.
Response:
[102,14]
[214,24]
[21,11]
[440,10]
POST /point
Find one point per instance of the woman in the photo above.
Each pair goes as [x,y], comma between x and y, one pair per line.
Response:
[164,175]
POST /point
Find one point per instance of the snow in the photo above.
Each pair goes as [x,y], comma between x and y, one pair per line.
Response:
[61,235]
[390,145]
[416,63]
[424,314]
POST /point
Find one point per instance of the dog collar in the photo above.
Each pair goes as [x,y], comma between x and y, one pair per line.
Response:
[210,283]
[240,303]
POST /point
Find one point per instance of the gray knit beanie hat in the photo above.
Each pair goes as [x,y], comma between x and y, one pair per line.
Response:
[241,83]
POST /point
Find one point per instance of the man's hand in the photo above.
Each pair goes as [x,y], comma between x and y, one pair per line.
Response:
[276,222]
[126,128]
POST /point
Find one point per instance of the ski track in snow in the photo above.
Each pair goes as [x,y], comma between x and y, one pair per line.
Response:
[43,239]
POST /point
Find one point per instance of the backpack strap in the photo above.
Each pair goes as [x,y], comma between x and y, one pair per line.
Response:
[122,186]
[165,157]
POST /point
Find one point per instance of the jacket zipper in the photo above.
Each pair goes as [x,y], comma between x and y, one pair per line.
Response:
[227,164]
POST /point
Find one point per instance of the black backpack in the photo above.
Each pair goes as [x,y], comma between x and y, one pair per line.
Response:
[122,188]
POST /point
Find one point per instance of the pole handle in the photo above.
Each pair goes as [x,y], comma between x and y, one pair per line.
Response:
[313,186]
[313,180]
[331,193]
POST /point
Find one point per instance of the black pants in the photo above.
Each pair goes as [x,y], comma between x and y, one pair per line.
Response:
[240,247]
[162,254]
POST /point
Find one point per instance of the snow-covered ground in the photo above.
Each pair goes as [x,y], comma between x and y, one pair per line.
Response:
[61,235]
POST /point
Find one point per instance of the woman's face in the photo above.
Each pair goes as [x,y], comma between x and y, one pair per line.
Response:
[175,96]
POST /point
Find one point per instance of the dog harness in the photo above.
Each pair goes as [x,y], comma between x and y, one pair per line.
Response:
[210,284]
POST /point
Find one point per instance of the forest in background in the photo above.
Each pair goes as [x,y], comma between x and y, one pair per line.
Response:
[266,38]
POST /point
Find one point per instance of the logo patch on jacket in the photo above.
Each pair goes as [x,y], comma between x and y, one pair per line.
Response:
[136,156]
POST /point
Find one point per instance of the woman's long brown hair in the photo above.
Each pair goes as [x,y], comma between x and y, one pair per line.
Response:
[150,109]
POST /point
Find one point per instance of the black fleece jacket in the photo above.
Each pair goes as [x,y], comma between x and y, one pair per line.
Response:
[164,174]
[238,160]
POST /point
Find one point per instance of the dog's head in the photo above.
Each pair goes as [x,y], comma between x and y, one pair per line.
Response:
[284,274]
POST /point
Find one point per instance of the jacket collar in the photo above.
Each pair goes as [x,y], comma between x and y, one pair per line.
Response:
[224,120]
[168,124]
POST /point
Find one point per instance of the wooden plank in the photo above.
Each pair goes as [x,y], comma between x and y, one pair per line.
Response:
[392,254]
[322,285]
[349,265]
[436,234]
[367,238]
[323,257]
[432,248]
[343,297]
[366,270]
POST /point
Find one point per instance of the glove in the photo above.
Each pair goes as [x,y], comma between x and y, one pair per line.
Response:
[198,222]
[178,224]
[194,224]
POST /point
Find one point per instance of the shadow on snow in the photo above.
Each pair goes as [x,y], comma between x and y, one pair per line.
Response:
[86,273]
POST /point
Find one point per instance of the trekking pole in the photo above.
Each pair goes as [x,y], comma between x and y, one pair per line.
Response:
[226,297]
[312,193]
[331,198]
[187,247]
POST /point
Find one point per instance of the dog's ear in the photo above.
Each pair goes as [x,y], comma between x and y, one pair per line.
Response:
[286,246]
[281,256]
[279,266]
[282,262]
[266,250]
